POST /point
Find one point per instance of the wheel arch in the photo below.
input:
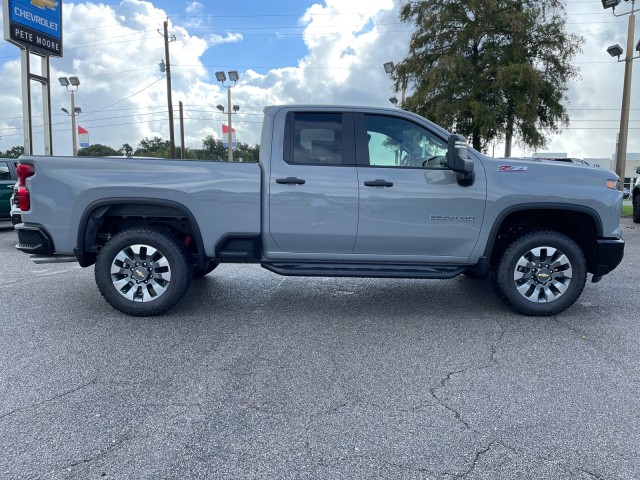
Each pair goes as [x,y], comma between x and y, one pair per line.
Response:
[158,211]
[580,223]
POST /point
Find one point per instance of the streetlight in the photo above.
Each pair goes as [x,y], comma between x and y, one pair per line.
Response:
[389,68]
[222,78]
[616,51]
[71,84]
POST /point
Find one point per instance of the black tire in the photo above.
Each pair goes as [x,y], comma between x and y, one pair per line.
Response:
[155,260]
[636,208]
[541,273]
[209,267]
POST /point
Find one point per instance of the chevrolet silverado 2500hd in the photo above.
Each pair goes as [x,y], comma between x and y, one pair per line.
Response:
[338,191]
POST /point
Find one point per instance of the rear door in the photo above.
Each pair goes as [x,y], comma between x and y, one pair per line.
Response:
[313,184]
[410,202]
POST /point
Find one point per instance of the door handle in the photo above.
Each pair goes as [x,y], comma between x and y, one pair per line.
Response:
[378,183]
[290,180]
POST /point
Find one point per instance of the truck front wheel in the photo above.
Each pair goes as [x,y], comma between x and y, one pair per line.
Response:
[143,271]
[542,273]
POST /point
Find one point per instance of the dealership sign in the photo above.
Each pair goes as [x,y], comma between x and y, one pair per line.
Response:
[35,25]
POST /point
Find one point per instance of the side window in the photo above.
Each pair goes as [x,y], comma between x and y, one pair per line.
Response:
[395,142]
[4,171]
[317,139]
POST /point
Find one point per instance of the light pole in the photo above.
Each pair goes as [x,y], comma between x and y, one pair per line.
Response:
[72,84]
[389,68]
[222,78]
[229,132]
[616,51]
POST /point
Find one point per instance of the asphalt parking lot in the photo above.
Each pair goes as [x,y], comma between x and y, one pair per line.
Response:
[259,376]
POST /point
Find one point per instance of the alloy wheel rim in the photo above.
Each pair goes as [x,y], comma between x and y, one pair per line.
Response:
[140,273]
[542,274]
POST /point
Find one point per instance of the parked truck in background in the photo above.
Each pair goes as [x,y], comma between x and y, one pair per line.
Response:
[338,191]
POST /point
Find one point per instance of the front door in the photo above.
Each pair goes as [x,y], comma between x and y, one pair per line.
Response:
[410,203]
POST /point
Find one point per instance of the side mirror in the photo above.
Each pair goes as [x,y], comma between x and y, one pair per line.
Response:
[638,170]
[458,160]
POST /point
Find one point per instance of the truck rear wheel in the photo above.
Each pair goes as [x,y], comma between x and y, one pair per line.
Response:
[143,271]
[542,273]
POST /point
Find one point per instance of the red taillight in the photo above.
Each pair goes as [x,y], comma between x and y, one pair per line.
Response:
[24,199]
[24,171]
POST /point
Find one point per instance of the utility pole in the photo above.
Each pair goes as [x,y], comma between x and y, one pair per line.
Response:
[181,131]
[172,140]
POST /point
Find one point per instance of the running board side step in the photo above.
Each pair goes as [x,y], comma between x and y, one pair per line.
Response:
[372,270]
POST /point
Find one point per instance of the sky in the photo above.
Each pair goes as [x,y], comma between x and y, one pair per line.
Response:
[328,52]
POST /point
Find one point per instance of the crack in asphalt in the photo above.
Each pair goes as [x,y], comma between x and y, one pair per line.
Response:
[69,392]
[494,345]
[492,361]
[476,458]
[359,457]
[590,473]
[48,400]
[434,393]
[100,455]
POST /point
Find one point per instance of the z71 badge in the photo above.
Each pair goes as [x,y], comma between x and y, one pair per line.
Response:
[512,168]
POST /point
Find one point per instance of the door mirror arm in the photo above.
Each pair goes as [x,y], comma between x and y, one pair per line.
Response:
[458,160]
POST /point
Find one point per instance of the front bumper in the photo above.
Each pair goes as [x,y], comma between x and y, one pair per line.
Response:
[33,239]
[609,255]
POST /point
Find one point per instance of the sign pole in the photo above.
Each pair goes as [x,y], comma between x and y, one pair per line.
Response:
[26,101]
[46,106]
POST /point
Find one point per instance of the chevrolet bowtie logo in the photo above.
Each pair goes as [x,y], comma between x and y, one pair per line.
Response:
[51,4]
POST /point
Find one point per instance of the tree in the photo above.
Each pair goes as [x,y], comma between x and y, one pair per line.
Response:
[212,149]
[126,150]
[488,68]
[246,152]
[155,147]
[97,150]
[13,152]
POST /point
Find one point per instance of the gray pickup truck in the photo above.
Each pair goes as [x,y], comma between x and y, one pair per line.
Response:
[338,191]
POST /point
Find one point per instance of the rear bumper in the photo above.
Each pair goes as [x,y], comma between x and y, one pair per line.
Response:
[33,239]
[16,218]
[610,253]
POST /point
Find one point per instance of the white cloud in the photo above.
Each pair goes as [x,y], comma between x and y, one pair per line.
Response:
[228,38]
[194,8]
